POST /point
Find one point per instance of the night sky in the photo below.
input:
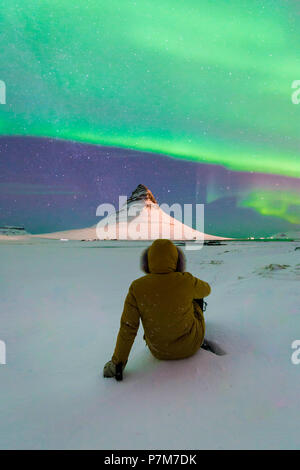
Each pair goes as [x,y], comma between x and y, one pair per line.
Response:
[101,94]
[50,185]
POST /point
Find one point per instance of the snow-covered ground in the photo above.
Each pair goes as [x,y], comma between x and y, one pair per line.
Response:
[60,305]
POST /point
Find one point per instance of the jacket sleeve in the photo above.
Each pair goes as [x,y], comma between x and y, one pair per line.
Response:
[129,325]
[200,288]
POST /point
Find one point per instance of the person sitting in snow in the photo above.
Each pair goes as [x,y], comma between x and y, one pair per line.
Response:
[164,300]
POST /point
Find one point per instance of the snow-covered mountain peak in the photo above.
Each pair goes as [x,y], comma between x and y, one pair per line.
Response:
[139,218]
[141,193]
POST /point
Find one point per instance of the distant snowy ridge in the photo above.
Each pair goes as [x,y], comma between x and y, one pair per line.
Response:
[12,232]
[295,235]
[140,218]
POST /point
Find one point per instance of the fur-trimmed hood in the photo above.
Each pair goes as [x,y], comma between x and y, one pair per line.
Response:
[162,257]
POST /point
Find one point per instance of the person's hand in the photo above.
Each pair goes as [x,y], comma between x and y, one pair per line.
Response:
[114,370]
[109,369]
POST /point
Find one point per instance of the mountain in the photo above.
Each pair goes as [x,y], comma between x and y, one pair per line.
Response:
[141,193]
[139,218]
[9,232]
[12,230]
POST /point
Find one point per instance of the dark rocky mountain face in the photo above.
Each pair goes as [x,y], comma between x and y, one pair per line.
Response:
[141,193]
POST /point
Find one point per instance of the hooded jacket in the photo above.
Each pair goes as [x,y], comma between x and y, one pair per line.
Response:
[163,301]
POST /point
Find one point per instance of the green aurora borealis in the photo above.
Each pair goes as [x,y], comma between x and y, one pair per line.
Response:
[209,81]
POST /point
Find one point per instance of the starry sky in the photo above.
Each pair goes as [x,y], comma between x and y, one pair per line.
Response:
[193,99]
[51,184]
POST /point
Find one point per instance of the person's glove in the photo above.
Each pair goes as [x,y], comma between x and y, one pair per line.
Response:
[109,369]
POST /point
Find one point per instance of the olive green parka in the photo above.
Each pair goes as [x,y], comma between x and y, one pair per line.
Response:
[163,301]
